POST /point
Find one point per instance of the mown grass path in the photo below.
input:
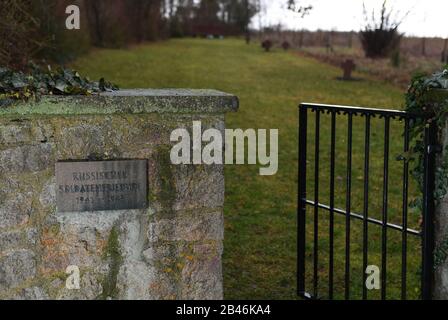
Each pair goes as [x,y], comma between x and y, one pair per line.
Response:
[260,212]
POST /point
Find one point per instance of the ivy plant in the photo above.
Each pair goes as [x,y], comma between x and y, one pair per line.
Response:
[18,85]
[417,103]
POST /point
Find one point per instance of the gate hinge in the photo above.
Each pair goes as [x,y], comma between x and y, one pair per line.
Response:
[434,149]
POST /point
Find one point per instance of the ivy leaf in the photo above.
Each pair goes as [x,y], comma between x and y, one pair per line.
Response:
[60,85]
[18,85]
[18,81]
[3,72]
[415,103]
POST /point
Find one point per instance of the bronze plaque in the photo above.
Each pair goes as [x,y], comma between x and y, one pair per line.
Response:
[101,185]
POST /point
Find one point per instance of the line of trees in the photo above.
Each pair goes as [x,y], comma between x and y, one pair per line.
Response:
[35,29]
[142,20]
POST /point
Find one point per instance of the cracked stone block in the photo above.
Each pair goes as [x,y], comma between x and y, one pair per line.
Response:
[16,268]
[28,158]
[15,211]
[188,227]
[47,197]
[10,240]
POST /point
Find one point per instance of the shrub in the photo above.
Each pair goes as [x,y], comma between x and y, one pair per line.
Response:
[380,38]
[286,45]
[19,33]
[267,45]
[30,30]
[380,43]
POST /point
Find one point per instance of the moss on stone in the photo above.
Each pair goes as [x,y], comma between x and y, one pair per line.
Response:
[112,253]
[54,229]
[174,262]
[47,283]
[128,101]
[167,192]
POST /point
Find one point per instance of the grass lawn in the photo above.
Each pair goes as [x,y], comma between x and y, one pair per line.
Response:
[260,212]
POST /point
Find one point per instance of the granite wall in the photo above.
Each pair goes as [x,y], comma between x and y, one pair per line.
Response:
[172,250]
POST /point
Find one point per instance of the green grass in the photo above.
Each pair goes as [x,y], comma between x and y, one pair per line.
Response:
[260,212]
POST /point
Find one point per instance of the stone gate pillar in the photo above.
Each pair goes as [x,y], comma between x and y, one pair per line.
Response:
[440,286]
[165,243]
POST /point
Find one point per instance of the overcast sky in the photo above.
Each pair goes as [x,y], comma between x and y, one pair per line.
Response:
[427,17]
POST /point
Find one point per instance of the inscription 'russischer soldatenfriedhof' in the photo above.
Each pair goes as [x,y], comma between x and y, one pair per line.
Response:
[101,185]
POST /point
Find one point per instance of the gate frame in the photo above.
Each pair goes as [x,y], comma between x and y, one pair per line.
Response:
[427,232]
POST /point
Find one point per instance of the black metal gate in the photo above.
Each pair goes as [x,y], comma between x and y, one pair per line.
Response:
[336,273]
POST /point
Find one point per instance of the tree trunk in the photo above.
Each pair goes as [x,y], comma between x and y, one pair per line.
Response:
[444,53]
[94,19]
[424,47]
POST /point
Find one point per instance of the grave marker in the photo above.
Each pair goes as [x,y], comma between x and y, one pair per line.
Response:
[348,66]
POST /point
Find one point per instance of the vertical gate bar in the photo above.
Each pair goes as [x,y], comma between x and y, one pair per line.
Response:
[428,211]
[366,206]
[316,203]
[348,205]
[385,209]
[301,218]
[404,234]
[332,172]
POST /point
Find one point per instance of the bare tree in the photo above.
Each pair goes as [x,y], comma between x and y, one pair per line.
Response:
[300,9]
[445,51]
[301,12]
[96,19]
[26,28]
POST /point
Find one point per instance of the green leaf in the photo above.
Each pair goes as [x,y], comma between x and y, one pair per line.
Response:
[17,85]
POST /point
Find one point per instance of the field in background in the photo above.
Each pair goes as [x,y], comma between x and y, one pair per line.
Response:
[260,212]
[416,54]
[413,46]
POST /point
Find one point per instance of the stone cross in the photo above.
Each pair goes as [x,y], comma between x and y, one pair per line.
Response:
[348,66]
